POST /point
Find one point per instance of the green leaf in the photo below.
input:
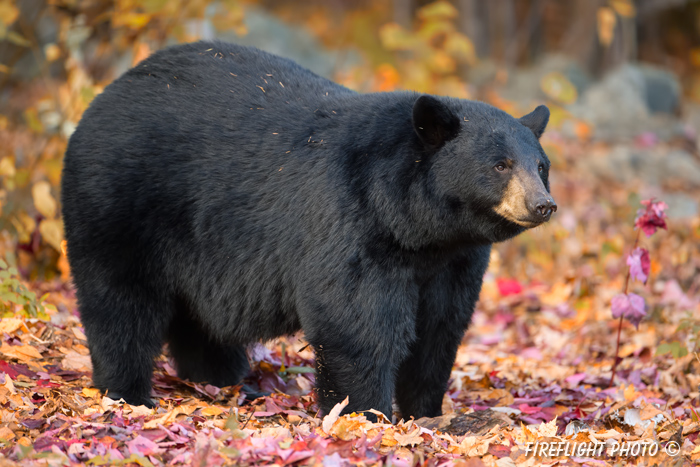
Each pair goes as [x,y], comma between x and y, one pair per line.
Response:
[24,451]
[675,348]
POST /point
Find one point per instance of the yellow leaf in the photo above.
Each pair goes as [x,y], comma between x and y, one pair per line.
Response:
[131,20]
[91,392]
[334,414]
[350,427]
[388,439]
[52,52]
[20,352]
[154,6]
[212,411]
[438,10]
[7,167]
[32,118]
[557,87]
[43,201]
[25,226]
[630,393]
[8,12]
[461,48]
[624,8]
[52,232]
[394,37]
[6,433]
[606,25]
[436,32]
[559,294]
[10,325]
[441,62]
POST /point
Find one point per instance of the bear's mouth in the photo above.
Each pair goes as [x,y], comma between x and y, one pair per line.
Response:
[526,220]
[520,216]
[526,207]
[527,223]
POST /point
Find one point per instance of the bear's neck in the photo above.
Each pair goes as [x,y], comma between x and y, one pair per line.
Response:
[385,168]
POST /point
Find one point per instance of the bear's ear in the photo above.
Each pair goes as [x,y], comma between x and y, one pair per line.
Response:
[434,122]
[536,120]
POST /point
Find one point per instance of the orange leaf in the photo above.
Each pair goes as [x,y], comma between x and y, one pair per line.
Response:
[20,352]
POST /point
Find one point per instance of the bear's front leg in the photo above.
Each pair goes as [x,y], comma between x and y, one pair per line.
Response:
[444,312]
[422,378]
[360,337]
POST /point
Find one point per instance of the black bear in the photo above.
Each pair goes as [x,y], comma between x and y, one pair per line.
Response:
[217,195]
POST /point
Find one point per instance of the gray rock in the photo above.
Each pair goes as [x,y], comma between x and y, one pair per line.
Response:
[270,34]
[662,90]
[524,83]
[681,206]
[630,100]
[654,166]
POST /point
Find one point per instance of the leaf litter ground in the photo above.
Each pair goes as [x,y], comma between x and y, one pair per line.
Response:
[533,368]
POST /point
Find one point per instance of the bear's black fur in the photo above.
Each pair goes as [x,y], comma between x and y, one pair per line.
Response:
[216,195]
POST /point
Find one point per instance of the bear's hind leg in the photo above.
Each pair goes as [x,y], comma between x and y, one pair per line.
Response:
[200,358]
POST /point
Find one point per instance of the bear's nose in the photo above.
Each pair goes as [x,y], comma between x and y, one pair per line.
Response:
[546,207]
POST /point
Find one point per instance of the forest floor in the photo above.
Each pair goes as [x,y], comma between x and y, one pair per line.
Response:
[530,386]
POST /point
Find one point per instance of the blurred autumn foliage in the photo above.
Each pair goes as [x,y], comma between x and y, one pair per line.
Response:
[55,56]
[65,52]
[542,348]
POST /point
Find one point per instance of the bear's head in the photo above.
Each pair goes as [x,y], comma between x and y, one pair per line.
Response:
[487,168]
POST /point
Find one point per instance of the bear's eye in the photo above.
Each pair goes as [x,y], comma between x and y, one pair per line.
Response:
[501,167]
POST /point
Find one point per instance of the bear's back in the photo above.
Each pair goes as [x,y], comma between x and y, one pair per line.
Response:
[187,117]
[198,152]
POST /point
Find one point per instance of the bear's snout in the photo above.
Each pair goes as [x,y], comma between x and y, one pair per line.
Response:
[543,208]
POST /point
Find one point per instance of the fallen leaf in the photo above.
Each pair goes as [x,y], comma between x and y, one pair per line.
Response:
[20,352]
[334,414]
[10,325]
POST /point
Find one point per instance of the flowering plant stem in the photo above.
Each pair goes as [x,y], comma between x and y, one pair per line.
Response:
[619,324]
